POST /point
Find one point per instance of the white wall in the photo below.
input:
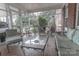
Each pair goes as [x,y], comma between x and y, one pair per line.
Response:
[59,20]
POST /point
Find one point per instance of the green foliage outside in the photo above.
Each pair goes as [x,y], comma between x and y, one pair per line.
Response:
[42,20]
[22,20]
[42,23]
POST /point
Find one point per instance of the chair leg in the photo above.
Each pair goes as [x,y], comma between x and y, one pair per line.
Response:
[23,50]
[42,52]
[8,48]
[0,53]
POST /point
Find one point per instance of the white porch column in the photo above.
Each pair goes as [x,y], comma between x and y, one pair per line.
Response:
[20,15]
[7,20]
[8,17]
[59,20]
[29,22]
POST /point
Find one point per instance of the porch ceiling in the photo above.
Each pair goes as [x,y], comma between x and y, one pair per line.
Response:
[35,7]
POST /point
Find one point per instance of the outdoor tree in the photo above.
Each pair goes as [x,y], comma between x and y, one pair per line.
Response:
[22,22]
[42,23]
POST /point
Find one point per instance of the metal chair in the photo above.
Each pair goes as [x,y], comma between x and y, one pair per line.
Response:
[12,37]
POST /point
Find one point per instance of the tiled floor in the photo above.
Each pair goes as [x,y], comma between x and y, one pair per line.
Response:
[50,49]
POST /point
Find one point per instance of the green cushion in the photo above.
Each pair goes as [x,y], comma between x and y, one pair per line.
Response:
[11,32]
[76,37]
[70,33]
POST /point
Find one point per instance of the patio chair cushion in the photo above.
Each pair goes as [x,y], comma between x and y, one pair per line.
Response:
[66,46]
[11,32]
[12,36]
[76,37]
[70,33]
[9,39]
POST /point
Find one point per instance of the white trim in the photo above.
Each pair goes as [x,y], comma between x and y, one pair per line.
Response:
[66,10]
[77,9]
[76,15]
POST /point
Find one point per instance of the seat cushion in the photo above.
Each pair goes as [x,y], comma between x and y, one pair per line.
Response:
[76,37]
[11,32]
[67,47]
[8,39]
[70,33]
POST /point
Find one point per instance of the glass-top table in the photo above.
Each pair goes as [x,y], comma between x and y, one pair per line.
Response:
[35,41]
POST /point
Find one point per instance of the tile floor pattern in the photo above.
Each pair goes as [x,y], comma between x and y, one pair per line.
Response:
[15,50]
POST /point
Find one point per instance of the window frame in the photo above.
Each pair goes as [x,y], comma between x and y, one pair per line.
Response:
[76,24]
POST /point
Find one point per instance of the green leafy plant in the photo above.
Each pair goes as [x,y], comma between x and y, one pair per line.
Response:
[42,23]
